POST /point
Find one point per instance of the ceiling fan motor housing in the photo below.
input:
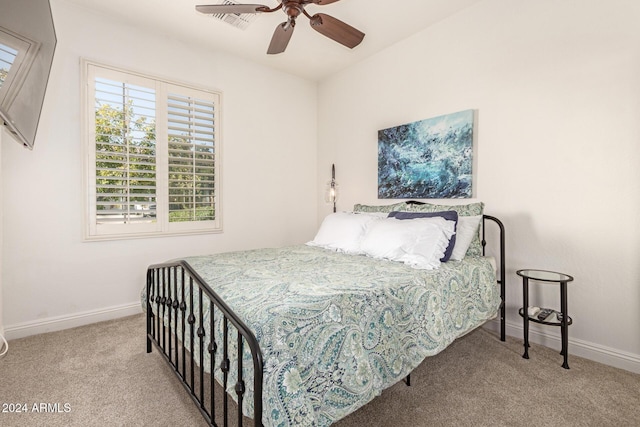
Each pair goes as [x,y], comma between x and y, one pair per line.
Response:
[292,8]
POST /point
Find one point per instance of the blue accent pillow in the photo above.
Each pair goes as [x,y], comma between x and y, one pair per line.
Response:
[448,215]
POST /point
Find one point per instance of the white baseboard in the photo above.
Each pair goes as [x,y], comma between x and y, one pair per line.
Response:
[588,350]
[59,323]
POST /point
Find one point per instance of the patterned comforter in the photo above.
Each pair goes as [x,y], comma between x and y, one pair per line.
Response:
[337,329]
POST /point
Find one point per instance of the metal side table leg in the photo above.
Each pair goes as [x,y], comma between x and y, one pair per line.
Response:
[525,312]
[564,327]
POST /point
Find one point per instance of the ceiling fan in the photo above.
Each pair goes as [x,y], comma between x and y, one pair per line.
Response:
[324,24]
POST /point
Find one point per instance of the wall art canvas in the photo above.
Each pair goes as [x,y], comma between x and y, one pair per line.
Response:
[431,158]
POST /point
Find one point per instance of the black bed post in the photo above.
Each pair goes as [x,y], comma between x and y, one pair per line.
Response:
[149,310]
[502,268]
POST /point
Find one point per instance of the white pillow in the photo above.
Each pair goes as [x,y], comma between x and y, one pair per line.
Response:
[467,228]
[420,242]
[342,231]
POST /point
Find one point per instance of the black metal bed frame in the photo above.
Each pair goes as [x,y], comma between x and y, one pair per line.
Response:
[170,292]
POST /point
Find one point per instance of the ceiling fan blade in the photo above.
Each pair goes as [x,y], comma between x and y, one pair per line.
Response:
[336,30]
[281,37]
[323,2]
[215,9]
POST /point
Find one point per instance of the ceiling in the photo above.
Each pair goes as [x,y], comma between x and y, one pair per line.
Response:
[309,54]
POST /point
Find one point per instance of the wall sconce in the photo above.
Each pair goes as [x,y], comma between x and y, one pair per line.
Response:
[331,191]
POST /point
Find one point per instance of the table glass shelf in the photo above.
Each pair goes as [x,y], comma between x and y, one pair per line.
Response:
[547,276]
[544,322]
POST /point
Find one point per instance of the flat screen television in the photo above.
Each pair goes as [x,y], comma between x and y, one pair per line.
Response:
[27,44]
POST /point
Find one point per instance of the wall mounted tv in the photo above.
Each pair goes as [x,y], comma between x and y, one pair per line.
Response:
[27,44]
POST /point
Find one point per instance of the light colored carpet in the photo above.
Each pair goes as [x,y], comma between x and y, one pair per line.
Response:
[101,375]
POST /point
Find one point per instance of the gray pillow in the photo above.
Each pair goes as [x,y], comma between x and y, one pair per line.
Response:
[401,206]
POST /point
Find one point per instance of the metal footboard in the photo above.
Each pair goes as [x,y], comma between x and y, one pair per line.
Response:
[172,289]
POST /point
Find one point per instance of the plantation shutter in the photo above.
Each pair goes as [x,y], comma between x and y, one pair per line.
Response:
[125,152]
[152,156]
[192,157]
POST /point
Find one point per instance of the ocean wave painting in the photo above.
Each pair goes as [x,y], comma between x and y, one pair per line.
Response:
[430,158]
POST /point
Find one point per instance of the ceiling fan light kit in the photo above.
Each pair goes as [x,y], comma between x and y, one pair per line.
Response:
[324,24]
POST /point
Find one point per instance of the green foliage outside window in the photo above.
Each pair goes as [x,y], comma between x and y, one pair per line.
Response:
[126,169]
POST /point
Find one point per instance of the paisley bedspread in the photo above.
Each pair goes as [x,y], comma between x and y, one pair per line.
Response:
[337,329]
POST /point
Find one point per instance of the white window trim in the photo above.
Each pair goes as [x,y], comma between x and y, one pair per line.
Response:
[162,227]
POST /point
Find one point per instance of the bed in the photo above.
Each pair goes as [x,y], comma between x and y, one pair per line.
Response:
[304,335]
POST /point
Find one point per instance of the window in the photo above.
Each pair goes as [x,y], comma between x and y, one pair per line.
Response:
[152,156]
[16,57]
[7,58]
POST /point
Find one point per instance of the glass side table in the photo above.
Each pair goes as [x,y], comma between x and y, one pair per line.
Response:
[563,319]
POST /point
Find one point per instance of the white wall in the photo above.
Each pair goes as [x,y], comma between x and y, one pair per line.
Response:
[557,90]
[51,278]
